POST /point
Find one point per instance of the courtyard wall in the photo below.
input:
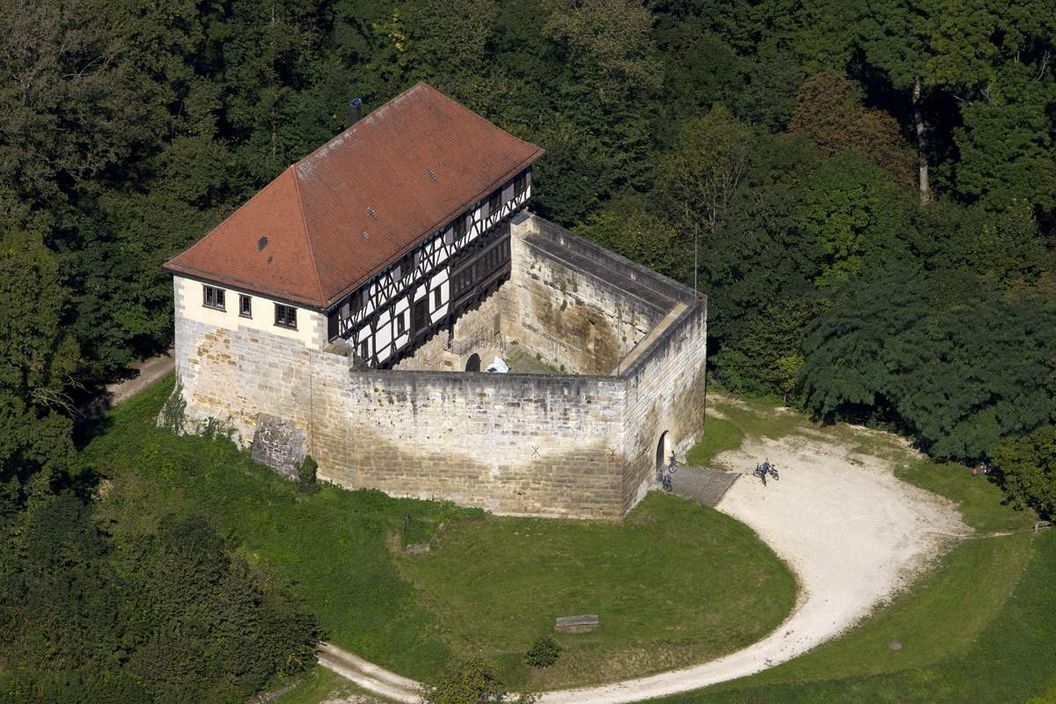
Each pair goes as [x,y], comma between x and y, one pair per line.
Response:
[582,445]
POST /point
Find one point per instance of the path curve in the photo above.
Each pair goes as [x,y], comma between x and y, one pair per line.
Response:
[850,531]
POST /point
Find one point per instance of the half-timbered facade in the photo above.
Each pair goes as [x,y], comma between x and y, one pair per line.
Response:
[381,237]
[429,286]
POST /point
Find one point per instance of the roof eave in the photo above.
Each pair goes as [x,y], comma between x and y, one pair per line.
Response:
[275,293]
[335,299]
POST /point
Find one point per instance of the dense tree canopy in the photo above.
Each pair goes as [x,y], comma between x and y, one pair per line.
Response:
[168,618]
[1028,466]
[866,191]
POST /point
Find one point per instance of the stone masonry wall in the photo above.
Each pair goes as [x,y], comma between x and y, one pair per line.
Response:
[666,393]
[559,445]
[564,303]
[514,444]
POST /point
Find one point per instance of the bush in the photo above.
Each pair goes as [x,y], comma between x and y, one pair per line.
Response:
[306,472]
[543,653]
[472,681]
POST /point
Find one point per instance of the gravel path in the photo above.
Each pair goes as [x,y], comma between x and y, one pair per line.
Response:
[146,373]
[851,532]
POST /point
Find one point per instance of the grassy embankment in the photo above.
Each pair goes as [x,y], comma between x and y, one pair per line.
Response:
[674,584]
[322,685]
[489,585]
[978,627]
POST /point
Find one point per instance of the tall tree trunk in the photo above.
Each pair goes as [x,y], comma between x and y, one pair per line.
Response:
[922,144]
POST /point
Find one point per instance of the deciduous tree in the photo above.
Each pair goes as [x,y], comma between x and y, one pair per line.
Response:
[37,360]
[1028,469]
[829,113]
[703,172]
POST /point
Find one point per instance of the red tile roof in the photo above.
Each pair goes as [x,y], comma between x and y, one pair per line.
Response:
[336,218]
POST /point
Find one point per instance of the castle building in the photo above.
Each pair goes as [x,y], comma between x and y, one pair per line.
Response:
[378,238]
[343,310]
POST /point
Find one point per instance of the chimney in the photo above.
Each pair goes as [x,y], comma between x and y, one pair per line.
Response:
[355,110]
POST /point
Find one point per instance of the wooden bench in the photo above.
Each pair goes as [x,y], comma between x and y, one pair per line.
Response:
[576,624]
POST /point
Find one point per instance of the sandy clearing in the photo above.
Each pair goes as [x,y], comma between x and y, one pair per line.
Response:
[852,533]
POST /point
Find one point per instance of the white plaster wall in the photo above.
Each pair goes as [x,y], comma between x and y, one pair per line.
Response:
[188,293]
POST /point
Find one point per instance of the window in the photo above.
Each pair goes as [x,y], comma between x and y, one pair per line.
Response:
[356,302]
[520,184]
[245,306]
[364,349]
[213,297]
[285,316]
[437,300]
[495,202]
[401,324]
[406,265]
[460,226]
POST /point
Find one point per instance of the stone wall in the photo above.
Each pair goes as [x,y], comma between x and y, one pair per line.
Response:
[515,444]
[665,394]
[562,445]
[572,301]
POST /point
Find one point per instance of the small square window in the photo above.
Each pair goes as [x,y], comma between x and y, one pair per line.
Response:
[401,324]
[245,306]
[285,316]
[213,297]
[437,299]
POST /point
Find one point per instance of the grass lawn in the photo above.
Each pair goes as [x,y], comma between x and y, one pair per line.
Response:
[979,500]
[330,545]
[718,436]
[730,420]
[322,685]
[674,584]
[979,627]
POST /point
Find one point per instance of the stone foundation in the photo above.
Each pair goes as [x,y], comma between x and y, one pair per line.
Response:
[582,443]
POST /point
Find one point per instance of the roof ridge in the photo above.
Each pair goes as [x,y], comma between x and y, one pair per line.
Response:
[292,168]
[341,135]
[477,116]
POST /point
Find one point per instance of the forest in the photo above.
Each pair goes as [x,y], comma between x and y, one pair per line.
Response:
[865,191]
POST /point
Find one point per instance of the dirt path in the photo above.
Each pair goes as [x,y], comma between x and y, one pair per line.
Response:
[368,675]
[851,532]
[149,371]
